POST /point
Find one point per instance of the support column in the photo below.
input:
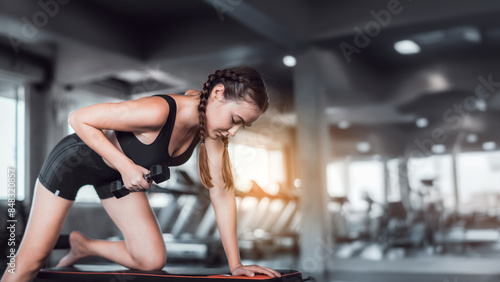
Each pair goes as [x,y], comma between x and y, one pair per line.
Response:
[312,137]
[455,181]
[387,180]
[404,183]
[454,155]
[345,174]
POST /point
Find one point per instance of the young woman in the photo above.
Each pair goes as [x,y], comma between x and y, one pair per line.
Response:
[122,140]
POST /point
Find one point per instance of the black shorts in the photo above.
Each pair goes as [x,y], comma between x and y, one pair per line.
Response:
[71,165]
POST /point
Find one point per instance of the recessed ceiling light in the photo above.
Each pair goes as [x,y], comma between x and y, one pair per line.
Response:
[297,183]
[481,105]
[489,146]
[472,34]
[344,124]
[289,61]
[407,47]
[363,147]
[471,138]
[437,81]
[421,122]
[438,148]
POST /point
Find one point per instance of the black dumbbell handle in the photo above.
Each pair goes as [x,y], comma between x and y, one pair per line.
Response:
[119,190]
[161,172]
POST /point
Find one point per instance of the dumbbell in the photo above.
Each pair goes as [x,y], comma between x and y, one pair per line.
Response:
[158,173]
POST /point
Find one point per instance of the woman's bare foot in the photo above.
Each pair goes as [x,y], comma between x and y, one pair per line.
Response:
[78,243]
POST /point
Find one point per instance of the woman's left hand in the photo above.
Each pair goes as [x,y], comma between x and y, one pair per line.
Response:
[250,270]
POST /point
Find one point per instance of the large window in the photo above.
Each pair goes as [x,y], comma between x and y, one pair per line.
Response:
[356,180]
[365,178]
[266,167]
[393,187]
[335,179]
[478,180]
[12,146]
[437,168]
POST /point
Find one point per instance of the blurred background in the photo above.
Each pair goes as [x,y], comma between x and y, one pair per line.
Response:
[378,159]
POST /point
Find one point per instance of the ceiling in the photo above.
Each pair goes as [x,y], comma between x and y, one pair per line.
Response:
[378,91]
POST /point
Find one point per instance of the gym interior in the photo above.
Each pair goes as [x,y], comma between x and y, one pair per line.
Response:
[377,160]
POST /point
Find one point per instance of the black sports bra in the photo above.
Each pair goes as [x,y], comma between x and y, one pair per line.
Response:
[156,152]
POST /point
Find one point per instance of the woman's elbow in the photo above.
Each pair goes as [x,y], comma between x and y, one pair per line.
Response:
[74,120]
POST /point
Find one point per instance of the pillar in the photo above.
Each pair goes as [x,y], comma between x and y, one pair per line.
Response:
[312,137]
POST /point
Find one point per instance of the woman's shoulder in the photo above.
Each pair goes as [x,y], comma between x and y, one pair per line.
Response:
[192,92]
[179,99]
[156,108]
[186,107]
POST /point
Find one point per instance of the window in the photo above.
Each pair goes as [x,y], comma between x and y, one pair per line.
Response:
[266,167]
[12,152]
[393,189]
[478,182]
[365,177]
[437,168]
[335,179]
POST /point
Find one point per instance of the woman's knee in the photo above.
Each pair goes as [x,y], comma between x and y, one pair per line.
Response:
[26,268]
[151,262]
[150,253]
[32,262]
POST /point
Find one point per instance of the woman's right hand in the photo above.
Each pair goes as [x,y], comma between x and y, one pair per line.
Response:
[133,177]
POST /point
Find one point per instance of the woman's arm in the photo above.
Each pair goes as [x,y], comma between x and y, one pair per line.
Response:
[224,204]
[142,115]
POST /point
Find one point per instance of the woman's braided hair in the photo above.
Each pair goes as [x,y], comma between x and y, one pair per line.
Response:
[240,83]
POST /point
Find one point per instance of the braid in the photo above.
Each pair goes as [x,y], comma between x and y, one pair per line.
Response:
[206,179]
[227,173]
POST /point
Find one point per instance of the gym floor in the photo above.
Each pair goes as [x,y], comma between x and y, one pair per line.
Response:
[365,262]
